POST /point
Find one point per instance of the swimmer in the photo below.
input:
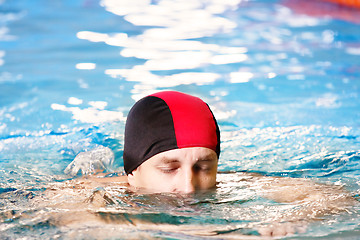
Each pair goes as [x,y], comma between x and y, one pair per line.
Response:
[172,145]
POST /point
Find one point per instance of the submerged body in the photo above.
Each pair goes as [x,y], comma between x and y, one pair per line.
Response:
[99,199]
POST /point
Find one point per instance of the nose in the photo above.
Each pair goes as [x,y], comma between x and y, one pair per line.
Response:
[187,183]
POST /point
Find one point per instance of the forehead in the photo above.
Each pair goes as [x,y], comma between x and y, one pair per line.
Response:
[184,155]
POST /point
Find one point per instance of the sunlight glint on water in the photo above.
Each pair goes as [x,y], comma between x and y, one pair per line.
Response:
[282,78]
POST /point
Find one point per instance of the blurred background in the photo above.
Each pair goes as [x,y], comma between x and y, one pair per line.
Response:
[281,76]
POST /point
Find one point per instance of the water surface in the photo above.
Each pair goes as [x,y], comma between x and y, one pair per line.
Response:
[282,78]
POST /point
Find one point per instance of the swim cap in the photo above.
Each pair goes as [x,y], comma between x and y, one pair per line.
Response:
[164,121]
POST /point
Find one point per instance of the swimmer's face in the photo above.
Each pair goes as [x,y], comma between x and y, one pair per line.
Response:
[180,170]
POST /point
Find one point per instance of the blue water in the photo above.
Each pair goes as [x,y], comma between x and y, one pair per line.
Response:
[282,79]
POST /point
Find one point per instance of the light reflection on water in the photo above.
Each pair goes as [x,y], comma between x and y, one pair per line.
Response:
[282,81]
[169,44]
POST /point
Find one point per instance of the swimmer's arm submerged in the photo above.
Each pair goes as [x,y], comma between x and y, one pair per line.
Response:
[321,198]
[312,201]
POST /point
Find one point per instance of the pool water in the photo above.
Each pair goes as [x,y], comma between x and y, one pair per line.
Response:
[282,78]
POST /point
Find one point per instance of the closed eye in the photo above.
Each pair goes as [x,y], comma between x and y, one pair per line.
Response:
[204,166]
[168,166]
[168,170]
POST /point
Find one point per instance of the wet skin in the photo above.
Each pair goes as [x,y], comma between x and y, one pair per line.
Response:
[180,170]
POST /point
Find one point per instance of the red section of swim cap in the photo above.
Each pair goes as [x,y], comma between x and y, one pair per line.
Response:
[193,121]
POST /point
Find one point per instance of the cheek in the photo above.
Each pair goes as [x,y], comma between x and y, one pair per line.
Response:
[207,180]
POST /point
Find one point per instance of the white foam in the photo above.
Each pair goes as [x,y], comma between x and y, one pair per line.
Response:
[328,100]
[91,114]
[353,51]
[2,127]
[92,36]
[82,83]
[98,104]
[151,81]
[74,101]
[85,66]
[240,77]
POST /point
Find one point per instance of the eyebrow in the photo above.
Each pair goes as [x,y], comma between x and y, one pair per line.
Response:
[206,160]
[167,160]
[207,157]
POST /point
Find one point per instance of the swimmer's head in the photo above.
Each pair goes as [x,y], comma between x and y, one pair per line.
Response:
[172,143]
[166,121]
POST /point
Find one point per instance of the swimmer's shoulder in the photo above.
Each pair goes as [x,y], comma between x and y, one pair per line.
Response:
[106,178]
[97,180]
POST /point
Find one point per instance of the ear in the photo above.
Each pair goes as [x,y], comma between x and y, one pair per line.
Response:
[132,179]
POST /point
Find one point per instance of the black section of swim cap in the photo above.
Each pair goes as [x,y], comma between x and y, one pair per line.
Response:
[218,148]
[149,130]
